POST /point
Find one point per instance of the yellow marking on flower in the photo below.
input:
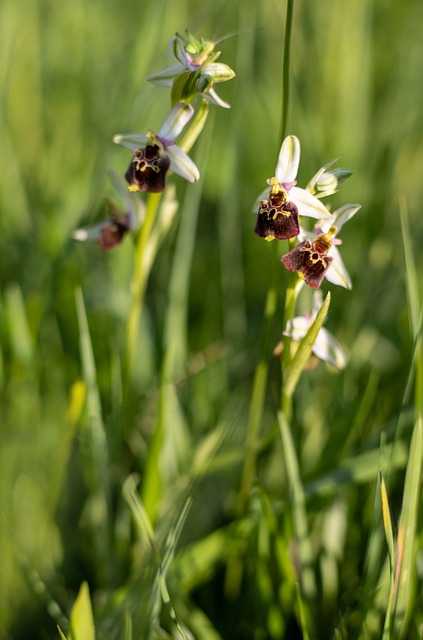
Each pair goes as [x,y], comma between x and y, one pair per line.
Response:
[269,238]
[133,188]
[153,140]
[323,242]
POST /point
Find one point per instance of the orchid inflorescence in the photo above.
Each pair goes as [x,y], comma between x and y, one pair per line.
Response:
[316,256]
[281,206]
[155,154]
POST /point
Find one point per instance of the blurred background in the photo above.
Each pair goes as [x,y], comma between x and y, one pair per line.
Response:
[72,75]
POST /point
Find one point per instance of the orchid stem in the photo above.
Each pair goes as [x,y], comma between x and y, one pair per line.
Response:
[291,296]
[286,65]
[139,283]
[141,270]
[262,368]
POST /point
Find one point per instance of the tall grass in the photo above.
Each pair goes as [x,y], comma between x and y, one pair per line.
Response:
[119,501]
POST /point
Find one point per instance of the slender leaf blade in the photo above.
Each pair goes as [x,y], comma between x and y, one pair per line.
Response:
[407,529]
[81,619]
[304,350]
[298,508]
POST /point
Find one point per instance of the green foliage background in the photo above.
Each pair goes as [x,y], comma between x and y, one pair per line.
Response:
[72,75]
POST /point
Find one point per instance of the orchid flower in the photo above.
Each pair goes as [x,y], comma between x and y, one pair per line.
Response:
[325,347]
[196,70]
[336,273]
[110,233]
[310,259]
[327,181]
[282,202]
[155,154]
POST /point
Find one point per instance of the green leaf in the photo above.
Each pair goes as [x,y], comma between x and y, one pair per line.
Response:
[128,626]
[359,469]
[387,525]
[183,88]
[415,308]
[297,497]
[406,540]
[62,635]
[82,621]
[304,350]
[144,526]
[387,522]
[302,618]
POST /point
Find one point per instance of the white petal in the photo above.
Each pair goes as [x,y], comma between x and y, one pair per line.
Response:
[131,141]
[308,205]
[218,71]
[345,213]
[288,161]
[337,273]
[181,113]
[296,328]
[182,164]
[165,78]
[212,97]
[134,206]
[263,196]
[311,185]
[317,302]
[121,187]
[90,233]
[328,349]
[177,51]
[306,235]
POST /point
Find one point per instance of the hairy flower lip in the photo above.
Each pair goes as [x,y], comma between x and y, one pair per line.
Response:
[310,259]
[285,174]
[337,274]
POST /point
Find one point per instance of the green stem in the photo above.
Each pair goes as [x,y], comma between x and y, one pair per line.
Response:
[139,282]
[286,65]
[262,368]
[291,296]
[141,270]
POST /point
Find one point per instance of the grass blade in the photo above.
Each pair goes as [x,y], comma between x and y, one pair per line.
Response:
[82,621]
[387,525]
[387,522]
[407,529]
[304,350]
[415,308]
[94,446]
[297,494]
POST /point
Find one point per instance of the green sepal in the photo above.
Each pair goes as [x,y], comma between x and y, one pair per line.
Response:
[184,87]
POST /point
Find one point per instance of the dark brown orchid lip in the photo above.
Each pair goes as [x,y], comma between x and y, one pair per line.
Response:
[277,216]
[148,168]
[310,260]
[112,235]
